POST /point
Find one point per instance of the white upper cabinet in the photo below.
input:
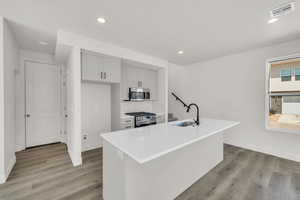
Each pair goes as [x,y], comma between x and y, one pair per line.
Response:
[100,68]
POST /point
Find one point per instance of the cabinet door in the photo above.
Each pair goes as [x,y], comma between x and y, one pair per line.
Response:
[132,77]
[153,80]
[149,78]
[112,69]
[90,67]
[97,67]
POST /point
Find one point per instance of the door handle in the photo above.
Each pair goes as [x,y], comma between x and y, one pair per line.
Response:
[27,115]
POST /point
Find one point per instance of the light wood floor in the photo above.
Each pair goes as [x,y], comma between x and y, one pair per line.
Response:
[46,173]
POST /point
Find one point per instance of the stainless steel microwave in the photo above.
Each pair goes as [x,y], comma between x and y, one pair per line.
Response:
[138,94]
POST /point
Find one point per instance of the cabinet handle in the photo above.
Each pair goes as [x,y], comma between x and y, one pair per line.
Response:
[101,75]
[104,75]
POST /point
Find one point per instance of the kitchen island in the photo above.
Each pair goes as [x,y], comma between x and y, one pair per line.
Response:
[160,162]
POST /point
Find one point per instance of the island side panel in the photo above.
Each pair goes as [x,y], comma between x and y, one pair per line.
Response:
[113,173]
[166,177]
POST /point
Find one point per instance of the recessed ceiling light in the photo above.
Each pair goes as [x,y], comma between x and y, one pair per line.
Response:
[101,20]
[43,43]
[273,20]
[180,52]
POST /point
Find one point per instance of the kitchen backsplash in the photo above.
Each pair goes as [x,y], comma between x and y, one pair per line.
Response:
[145,106]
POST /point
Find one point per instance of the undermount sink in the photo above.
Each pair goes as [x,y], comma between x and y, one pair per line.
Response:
[185,123]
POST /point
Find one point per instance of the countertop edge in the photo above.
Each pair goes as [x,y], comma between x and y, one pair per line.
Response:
[155,156]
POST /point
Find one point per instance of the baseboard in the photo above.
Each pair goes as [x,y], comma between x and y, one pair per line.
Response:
[11,164]
[76,159]
[2,178]
[277,154]
[20,148]
[91,147]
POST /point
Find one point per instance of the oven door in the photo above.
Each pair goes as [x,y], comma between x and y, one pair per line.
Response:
[141,121]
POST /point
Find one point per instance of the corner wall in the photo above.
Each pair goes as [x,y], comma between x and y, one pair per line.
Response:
[233,88]
[2,116]
[74,106]
[9,61]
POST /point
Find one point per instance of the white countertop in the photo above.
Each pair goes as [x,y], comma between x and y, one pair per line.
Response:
[147,143]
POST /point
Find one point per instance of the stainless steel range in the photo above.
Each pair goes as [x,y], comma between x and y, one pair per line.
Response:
[143,118]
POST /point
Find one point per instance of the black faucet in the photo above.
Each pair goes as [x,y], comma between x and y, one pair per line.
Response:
[197,107]
[189,107]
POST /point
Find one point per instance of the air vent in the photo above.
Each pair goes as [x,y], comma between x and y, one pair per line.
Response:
[283,9]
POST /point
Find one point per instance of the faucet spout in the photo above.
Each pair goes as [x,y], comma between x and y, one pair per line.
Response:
[197,108]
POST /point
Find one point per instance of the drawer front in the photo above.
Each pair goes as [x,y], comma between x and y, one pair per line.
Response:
[127,125]
[127,120]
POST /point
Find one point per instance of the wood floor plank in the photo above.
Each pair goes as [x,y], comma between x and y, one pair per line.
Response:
[47,173]
[278,187]
[259,183]
[295,184]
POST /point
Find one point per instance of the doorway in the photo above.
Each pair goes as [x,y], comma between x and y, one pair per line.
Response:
[43,103]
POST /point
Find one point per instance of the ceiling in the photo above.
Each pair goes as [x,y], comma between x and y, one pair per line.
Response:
[203,29]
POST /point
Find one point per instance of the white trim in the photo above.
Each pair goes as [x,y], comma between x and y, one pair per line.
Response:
[76,160]
[2,178]
[288,57]
[262,150]
[92,147]
[11,164]
[2,167]
[267,93]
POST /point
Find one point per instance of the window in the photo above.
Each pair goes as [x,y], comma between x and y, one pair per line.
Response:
[297,74]
[283,98]
[286,75]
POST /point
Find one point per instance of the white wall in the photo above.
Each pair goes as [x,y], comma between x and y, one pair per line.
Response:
[177,79]
[233,88]
[115,107]
[2,116]
[25,55]
[9,64]
[74,106]
[161,105]
[96,113]
[145,106]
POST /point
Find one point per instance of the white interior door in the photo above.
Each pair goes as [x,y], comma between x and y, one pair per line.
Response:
[43,103]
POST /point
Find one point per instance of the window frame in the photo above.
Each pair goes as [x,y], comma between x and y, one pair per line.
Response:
[268,94]
[297,68]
